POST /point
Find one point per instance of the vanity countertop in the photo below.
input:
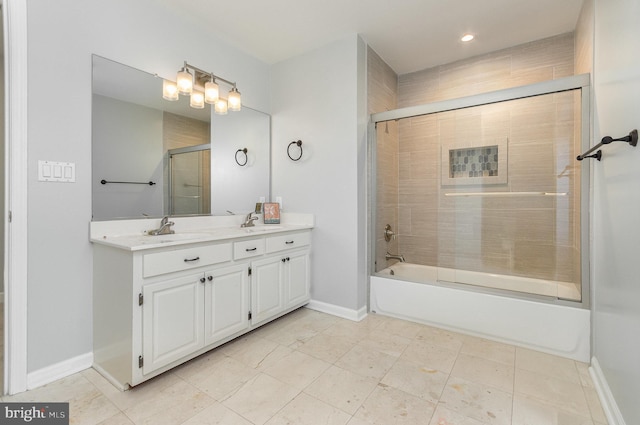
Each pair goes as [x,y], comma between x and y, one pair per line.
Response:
[131,235]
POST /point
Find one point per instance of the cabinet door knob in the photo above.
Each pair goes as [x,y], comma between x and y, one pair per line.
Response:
[209,278]
[284,259]
[288,258]
[202,280]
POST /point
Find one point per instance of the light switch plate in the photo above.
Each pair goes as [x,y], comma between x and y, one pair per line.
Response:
[52,171]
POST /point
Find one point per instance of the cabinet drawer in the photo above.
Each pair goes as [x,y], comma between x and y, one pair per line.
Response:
[246,249]
[185,259]
[294,240]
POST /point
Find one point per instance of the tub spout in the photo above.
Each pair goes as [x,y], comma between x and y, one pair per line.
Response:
[389,256]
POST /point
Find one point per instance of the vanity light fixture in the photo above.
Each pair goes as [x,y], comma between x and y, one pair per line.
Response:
[197,99]
[169,90]
[203,88]
[220,107]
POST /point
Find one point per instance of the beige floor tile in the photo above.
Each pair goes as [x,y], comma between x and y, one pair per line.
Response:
[561,393]
[595,407]
[480,402]
[292,335]
[399,327]
[547,364]
[366,362]
[316,320]
[260,398]
[490,350]
[173,405]
[529,411]
[326,347]
[354,331]
[255,352]
[430,356]
[444,416]
[297,369]
[136,395]
[388,405]
[415,379]
[217,414]
[387,343]
[224,378]
[442,338]
[200,365]
[483,371]
[91,409]
[307,410]
[342,389]
[118,419]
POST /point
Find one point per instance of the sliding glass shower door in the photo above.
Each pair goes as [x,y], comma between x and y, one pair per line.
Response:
[190,180]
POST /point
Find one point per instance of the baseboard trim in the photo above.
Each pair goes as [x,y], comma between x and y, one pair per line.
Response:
[609,405]
[60,370]
[336,310]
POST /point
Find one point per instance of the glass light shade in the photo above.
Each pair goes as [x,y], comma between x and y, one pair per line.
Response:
[184,81]
[169,90]
[211,92]
[221,107]
[235,101]
[197,100]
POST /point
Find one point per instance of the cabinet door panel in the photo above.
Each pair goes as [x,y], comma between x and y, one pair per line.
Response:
[267,298]
[227,302]
[297,278]
[172,316]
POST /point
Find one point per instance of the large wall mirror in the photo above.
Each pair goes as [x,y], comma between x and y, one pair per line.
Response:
[152,157]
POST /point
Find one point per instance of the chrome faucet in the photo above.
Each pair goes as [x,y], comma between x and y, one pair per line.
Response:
[389,256]
[248,222]
[164,229]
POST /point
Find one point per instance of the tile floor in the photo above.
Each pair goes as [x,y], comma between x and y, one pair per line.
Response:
[313,368]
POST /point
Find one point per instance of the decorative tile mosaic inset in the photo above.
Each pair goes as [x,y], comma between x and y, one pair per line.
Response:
[473,162]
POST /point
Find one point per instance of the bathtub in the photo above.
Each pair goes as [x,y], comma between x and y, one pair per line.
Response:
[414,292]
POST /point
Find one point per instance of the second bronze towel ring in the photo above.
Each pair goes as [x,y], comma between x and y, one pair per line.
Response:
[297,143]
[244,151]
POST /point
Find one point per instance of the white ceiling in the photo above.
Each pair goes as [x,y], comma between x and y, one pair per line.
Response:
[409,35]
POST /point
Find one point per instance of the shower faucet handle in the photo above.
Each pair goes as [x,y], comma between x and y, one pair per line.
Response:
[388,233]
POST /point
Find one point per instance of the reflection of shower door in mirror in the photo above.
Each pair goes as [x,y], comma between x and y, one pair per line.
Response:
[190,180]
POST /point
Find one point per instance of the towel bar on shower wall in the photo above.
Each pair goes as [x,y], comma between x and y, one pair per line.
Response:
[631,138]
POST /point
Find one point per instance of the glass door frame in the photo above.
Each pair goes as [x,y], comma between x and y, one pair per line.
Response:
[580,82]
[178,151]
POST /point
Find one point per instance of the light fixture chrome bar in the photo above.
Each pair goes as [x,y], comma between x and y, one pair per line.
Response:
[203,72]
[506,194]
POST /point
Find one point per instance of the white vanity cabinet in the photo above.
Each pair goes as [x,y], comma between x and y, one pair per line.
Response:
[280,280]
[185,314]
[157,308]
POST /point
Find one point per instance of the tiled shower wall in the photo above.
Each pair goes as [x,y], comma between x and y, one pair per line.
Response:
[528,236]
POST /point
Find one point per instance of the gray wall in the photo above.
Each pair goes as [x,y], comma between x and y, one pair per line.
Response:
[616,201]
[62,35]
[329,116]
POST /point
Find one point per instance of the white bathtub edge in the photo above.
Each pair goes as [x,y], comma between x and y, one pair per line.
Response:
[336,310]
[554,329]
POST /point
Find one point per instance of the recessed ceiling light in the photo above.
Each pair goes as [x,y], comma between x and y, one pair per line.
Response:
[467,37]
